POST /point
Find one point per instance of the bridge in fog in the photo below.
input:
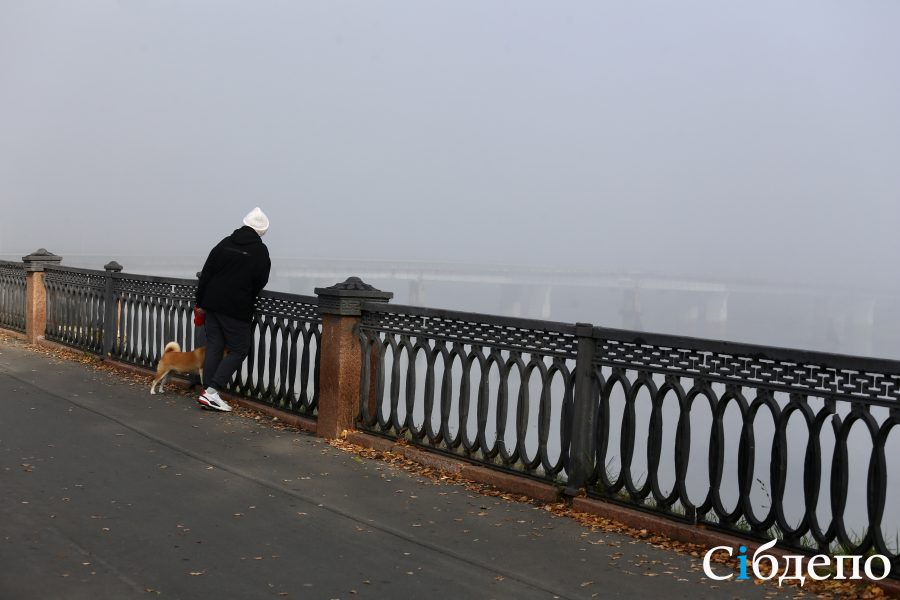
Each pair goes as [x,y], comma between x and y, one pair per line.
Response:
[837,318]
[420,274]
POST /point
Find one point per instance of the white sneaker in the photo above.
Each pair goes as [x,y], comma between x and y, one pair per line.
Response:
[211,399]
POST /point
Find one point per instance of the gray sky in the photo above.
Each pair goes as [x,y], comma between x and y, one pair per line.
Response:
[698,137]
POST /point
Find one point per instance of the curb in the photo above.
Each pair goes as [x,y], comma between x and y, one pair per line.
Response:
[507,482]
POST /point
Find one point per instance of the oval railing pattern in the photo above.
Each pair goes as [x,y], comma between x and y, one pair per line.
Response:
[770,419]
[749,439]
[283,366]
[145,312]
[491,389]
[12,295]
[282,369]
[149,313]
[76,300]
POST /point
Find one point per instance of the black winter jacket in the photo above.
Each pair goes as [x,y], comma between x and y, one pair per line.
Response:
[234,274]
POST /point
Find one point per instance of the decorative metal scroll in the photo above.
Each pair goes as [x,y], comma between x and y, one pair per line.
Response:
[12,295]
[493,390]
[75,306]
[766,419]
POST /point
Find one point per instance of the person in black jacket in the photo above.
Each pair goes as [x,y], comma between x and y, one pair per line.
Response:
[234,274]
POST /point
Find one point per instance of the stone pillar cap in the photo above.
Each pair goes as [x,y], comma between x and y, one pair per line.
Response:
[37,260]
[346,298]
[113,266]
[354,286]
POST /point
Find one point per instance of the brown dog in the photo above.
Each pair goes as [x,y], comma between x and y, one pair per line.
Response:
[173,359]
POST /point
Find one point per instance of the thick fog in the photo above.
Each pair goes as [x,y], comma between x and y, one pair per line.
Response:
[726,170]
[699,139]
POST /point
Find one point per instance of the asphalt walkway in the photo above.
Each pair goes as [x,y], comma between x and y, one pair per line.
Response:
[109,492]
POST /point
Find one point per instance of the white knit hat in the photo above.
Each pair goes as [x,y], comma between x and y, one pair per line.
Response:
[257,220]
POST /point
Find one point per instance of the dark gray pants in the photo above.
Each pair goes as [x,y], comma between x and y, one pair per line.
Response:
[223,332]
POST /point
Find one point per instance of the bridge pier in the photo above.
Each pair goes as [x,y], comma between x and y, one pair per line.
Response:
[543,294]
[825,334]
[529,301]
[631,310]
[715,315]
[416,292]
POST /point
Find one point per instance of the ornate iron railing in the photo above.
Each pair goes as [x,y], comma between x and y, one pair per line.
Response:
[758,441]
[749,439]
[774,426]
[132,317]
[148,313]
[12,295]
[282,369]
[491,389]
[76,300]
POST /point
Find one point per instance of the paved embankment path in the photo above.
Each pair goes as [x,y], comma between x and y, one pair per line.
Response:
[107,492]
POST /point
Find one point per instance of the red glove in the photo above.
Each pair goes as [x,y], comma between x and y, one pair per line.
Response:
[199,316]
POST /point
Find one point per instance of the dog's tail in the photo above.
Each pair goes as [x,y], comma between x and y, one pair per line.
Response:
[172,347]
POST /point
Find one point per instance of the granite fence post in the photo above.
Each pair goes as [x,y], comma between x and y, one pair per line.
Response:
[35,293]
[340,307]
